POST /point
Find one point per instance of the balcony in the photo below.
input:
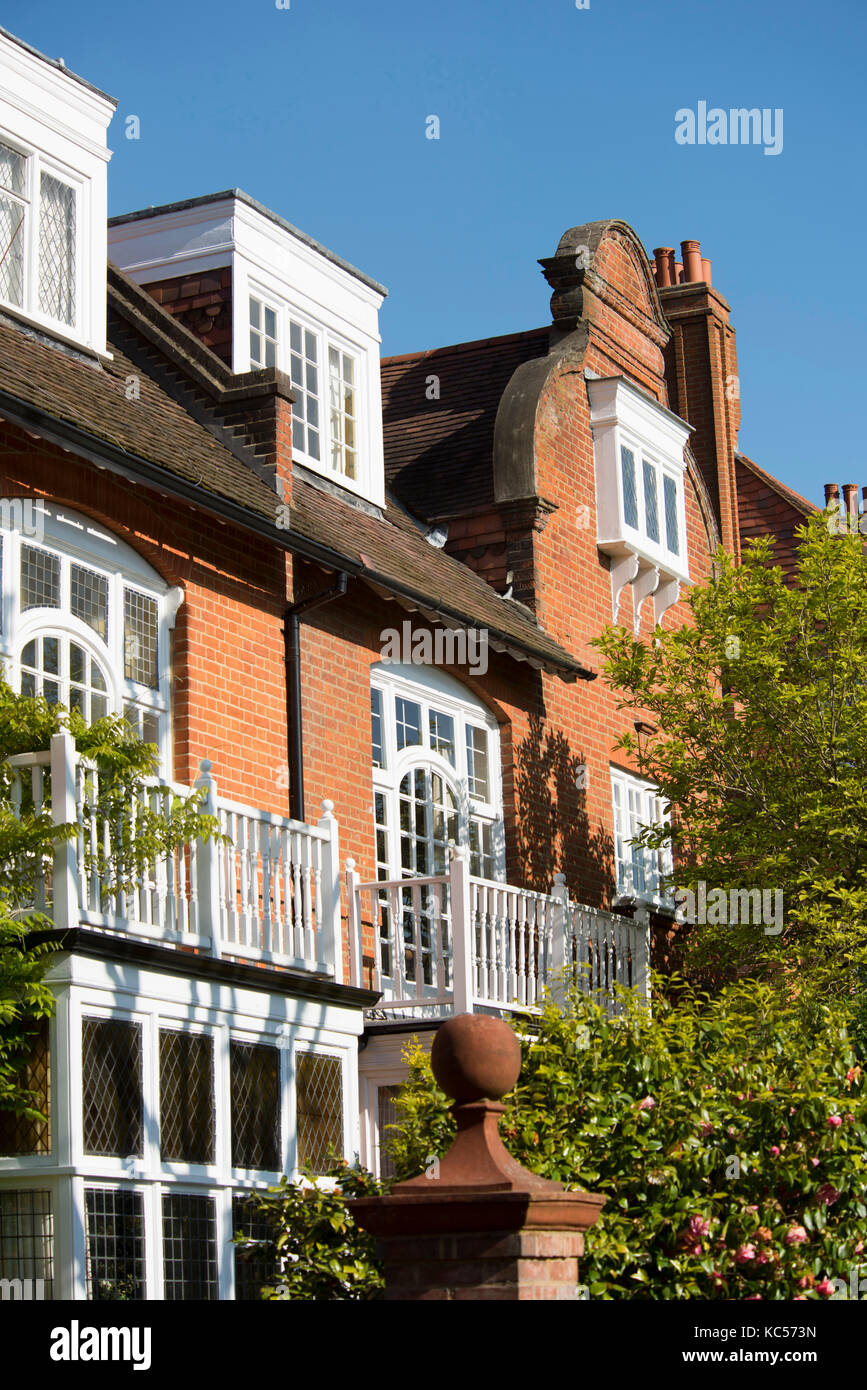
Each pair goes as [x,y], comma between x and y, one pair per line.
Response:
[452,943]
[268,893]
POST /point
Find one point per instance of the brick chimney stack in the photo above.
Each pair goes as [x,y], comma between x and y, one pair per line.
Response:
[701,373]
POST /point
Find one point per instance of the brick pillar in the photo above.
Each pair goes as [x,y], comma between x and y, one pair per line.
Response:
[476,1224]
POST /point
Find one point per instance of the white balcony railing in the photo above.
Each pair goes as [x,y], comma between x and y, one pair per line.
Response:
[270,892]
[454,943]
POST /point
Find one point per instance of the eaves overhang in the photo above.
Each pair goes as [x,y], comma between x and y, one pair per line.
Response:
[105,455]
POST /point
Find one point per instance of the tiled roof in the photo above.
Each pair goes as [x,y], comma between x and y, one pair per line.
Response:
[768,507]
[170,435]
[440,450]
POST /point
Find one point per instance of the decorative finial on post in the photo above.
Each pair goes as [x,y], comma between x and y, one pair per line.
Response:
[479,1224]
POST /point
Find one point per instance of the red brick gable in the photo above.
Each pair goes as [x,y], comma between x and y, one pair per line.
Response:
[767,507]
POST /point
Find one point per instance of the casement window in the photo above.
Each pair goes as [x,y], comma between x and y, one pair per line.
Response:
[640,493]
[178,1121]
[326,376]
[641,871]
[263,334]
[84,620]
[436,783]
[38,237]
[19,1134]
[27,1241]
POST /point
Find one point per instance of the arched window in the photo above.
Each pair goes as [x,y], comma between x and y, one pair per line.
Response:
[84,619]
[436,774]
[436,782]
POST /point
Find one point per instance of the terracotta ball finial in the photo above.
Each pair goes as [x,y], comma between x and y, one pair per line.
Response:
[476,1057]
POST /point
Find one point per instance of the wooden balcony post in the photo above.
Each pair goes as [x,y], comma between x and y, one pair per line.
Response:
[65,900]
[209,915]
[353,917]
[561,941]
[463,930]
[641,957]
[328,906]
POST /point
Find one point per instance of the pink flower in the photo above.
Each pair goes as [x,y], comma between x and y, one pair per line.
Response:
[647,1104]
[774,1151]
[762,1259]
[744,1254]
[796,1235]
[827,1194]
[825,1287]
[706,1127]
[805,1281]
[698,1227]
[859,1247]
[815,1162]
[834,1121]
[751,1297]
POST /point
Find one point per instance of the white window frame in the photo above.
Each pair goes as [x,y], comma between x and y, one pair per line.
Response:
[639,804]
[326,338]
[622,416]
[431,688]
[77,539]
[37,164]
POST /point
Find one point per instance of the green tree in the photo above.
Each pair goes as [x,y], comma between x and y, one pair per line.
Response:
[28,839]
[760,712]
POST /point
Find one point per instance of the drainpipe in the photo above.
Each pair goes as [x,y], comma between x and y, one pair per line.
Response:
[292,644]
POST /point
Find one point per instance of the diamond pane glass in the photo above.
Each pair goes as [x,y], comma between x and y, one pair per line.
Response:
[112,1084]
[12,214]
[189,1248]
[115,1234]
[255,1074]
[187,1121]
[630,491]
[319,1082]
[40,579]
[19,1135]
[88,598]
[651,505]
[12,166]
[254,1266]
[387,1115]
[57,249]
[27,1237]
[140,630]
[672,538]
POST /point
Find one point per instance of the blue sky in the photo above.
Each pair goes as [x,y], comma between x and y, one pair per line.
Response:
[549,116]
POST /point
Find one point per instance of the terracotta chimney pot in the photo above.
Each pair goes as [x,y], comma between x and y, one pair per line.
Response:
[850,498]
[705,270]
[691,251]
[664,257]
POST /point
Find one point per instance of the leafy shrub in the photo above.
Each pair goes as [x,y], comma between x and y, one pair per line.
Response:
[730,1141]
[313,1249]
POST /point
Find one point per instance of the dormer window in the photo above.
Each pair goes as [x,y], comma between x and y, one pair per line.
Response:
[37,238]
[326,439]
[640,467]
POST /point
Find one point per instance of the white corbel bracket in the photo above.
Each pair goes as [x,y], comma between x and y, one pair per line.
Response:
[644,584]
[624,568]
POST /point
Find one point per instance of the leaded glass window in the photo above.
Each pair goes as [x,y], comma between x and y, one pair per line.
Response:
[115,1240]
[319,1110]
[18,1133]
[27,1238]
[255,1087]
[13,214]
[57,249]
[189,1248]
[88,598]
[672,538]
[187,1116]
[40,579]
[141,629]
[651,504]
[630,491]
[111,1069]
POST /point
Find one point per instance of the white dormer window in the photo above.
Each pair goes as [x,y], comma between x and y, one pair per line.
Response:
[38,247]
[326,434]
[640,468]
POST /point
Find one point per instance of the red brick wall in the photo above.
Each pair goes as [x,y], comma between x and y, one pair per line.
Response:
[203,303]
